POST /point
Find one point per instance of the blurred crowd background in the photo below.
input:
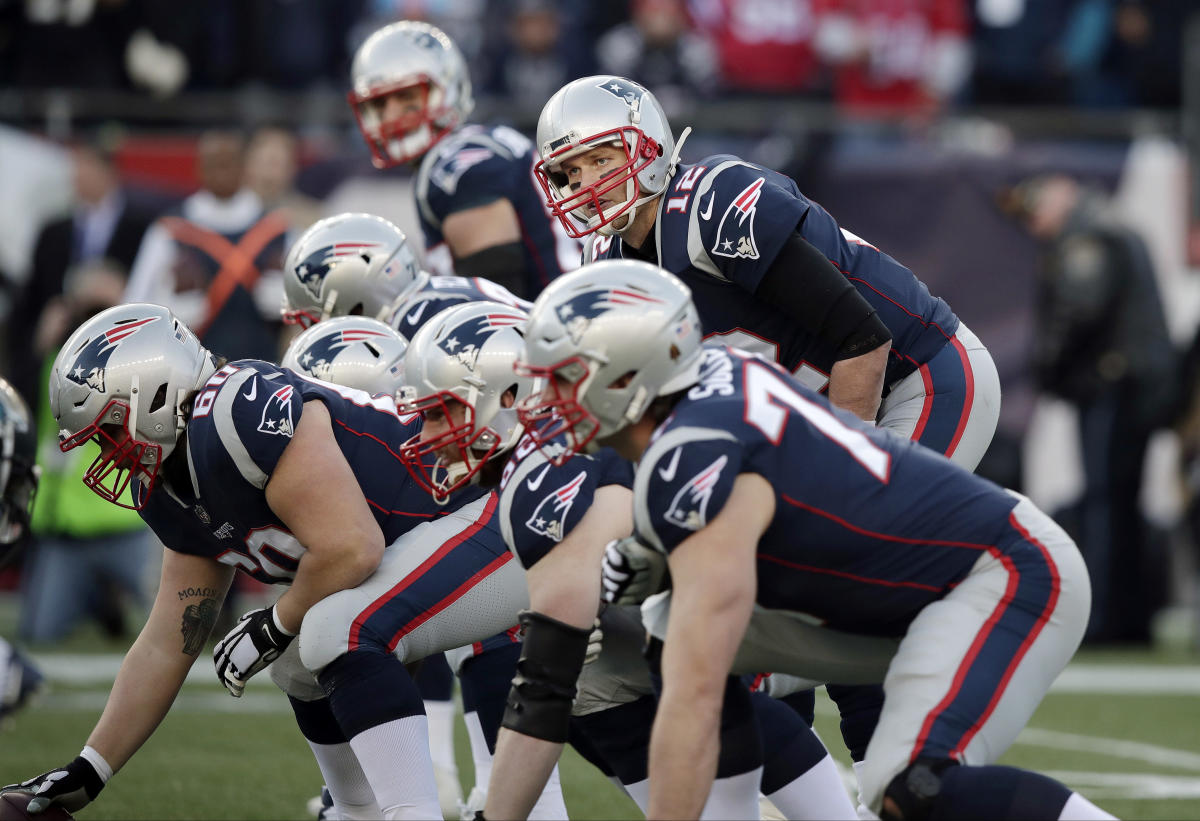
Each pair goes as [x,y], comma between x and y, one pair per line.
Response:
[970,139]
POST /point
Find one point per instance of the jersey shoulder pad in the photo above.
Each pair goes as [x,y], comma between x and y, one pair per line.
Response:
[541,503]
[248,411]
[476,167]
[172,522]
[738,216]
[409,317]
[683,482]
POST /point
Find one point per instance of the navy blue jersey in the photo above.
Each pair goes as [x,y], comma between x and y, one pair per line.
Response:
[444,292]
[478,165]
[541,503]
[721,224]
[241,422]
[868,527]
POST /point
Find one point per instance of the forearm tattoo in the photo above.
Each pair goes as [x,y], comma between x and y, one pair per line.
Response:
[198,619]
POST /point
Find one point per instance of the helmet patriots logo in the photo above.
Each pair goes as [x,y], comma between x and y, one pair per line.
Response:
[93,358]
[631,93]
[318,356]
[578,312]
[735,234]
[550,517]
[313,269]
[689,508]
[464,341]
[277,415]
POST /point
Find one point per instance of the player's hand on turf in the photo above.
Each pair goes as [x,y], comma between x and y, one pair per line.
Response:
[72,787]
[631,571]
[253,643]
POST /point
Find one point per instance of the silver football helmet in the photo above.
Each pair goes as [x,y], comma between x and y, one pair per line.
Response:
[459,368]
[348,265]
[122,379]
[604,110]
[419,62]
[606,339]
[18,467]
[354,351]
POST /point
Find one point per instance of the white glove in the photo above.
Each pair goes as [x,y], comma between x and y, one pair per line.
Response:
[595,640]
[253,643]
[631,572]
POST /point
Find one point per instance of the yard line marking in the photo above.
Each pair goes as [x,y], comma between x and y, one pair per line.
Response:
[1114,747]
[187,702]
[1115,679]
[1101,785]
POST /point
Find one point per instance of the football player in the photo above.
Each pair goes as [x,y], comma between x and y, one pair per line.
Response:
[480,210]
[787,524]
[770,270]
[249,466]
[19,678]
[356,264]
[557,519]
[362,353]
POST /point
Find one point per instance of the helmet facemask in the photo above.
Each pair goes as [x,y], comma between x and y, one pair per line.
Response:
[405,138]
[557,410]
[569,204]
[18,486]
[122,456]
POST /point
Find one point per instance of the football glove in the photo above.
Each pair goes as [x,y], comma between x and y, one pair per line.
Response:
[253,643]
[72,787]
[595,642]
[631,571]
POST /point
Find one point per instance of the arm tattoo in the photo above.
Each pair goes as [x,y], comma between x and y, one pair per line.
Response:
[198,621]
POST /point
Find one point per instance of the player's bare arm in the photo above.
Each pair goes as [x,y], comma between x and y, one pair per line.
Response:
[476,229]
[713,588]
[564,585]
[190,593]
[856,383]
[315,493]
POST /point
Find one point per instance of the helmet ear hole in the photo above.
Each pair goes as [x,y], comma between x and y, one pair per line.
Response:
[160,398]
[622,380]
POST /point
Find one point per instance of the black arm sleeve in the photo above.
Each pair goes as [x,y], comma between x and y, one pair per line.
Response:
[806,286]
[502,264]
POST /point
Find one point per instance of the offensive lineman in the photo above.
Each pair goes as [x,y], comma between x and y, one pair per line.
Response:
[557,519]
[480,211]
[775,509]
[249,466]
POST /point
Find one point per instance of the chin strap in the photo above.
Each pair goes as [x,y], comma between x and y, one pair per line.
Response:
[672,164]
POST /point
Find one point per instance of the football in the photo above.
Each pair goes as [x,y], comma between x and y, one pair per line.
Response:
[12,808]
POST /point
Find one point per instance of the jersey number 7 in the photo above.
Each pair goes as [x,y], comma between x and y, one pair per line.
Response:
[768,399]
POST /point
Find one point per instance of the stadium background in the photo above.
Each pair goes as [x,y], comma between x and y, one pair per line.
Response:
[917,173]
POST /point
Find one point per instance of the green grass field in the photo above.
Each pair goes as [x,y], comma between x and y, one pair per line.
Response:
[1123,728]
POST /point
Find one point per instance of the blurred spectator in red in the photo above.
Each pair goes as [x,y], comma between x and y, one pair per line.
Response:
[894,54]
[272,161]
[215,261]
[762,45]
[101,226]
[540,55]
[659,48]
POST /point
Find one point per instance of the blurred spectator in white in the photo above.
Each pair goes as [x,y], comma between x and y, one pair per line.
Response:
[539,56]
[87,557]
[763,46]
[898,55]
[272,161]
[659,48]
[101,225]
[216,262]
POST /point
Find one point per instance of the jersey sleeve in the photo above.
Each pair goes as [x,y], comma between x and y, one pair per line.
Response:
[682,484]
[741,216]
[175,526]
[542,503]
[254,415]
[470,177]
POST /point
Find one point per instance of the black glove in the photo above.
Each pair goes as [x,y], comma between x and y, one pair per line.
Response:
[254,642]
[72,787]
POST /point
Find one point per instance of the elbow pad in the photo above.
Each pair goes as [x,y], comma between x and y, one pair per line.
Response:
[502,264]
[804,284]
[543,690]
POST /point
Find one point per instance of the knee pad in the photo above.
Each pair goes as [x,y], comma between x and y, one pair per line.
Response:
[325,632]
[911,794]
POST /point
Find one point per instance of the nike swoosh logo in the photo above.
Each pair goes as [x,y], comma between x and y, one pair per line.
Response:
[253,392]
[668,473]
[534,484]
[707,212]
[415,315]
